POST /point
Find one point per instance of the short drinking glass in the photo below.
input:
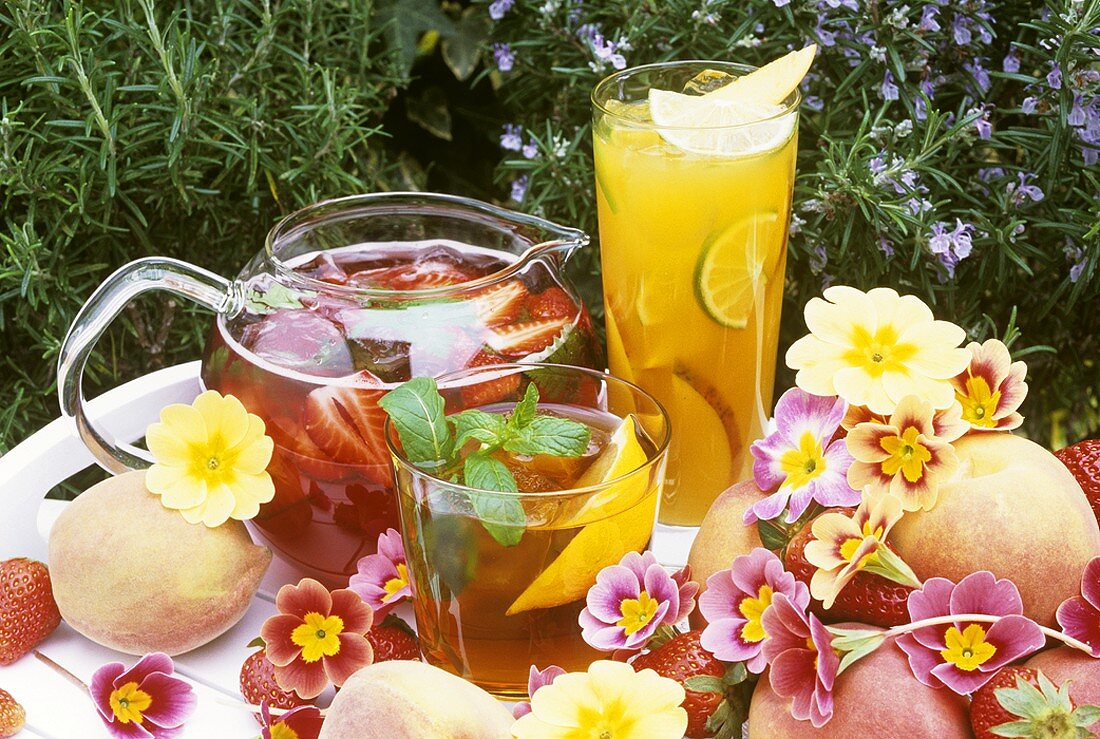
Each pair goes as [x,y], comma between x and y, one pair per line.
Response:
[499,587]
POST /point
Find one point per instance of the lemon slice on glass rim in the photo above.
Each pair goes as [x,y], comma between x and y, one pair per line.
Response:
[735,266]
[745,116]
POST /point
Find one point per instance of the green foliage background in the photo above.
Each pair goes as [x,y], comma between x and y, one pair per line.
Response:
[134,128]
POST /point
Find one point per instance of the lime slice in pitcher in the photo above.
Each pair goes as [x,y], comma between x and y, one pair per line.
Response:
[736,264]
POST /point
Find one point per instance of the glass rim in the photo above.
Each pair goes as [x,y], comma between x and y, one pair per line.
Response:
[791,104]
[332,209]
[651,459]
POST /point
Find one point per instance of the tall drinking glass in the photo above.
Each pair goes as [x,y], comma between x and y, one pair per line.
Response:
[499,579]
[693,235]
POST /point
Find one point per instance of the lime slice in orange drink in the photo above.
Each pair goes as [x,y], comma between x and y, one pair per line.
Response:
[604,541]
[735,266]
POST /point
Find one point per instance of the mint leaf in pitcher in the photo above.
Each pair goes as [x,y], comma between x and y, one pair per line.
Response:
[557,437]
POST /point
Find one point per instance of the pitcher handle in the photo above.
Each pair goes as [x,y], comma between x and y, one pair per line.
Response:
[143,275]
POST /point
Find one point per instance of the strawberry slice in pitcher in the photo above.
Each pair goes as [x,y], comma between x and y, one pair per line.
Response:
[346,423]
[488,391]
[526,337]
[499,304]
[421,275]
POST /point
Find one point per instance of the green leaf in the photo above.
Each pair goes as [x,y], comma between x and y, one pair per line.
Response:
[772,535]
[1013,728]
[462,51]
[501,515]
[488,428]
[705,684]
[1024,700]
[404,23]
[275,296]
[861,649]
[416,409]
[429,111]
[1086,715]
[736,674]
[558,437]
[526,409]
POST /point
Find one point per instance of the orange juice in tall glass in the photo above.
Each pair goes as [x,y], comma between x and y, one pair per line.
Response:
[694,181]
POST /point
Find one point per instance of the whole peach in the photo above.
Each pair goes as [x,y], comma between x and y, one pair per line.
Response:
[878,696]
[1012,509]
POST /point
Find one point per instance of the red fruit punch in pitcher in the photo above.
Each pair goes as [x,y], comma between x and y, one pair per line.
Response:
[348,299]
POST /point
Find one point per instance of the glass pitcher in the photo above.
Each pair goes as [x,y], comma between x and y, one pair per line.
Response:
[348,298]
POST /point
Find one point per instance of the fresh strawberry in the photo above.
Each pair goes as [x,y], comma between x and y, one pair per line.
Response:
[1083,460]
[258,683]
[1026,697]
[426,275]
[488,391]
[526,337]
[347,424]
[12,715]
[683,658]
[393,639]
[868,598]
[28,613]
[553,302]
[499,304]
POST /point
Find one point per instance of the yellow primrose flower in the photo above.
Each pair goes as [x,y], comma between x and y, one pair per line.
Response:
[874,348]
[212,459]
[610,701]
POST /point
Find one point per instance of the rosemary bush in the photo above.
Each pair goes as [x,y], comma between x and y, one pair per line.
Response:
[947,149]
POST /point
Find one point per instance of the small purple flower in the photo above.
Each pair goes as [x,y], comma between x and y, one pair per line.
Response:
[382,579]
[1011,63]
[1076,117]
[512,138]
[984,127]
[781,3]
[813,102]
[1029,104]
[918,205]
[530,149]
[1054,78]
[735,602]
[1019,192]
[964,656]
[799,463]
[631,600]
[885,247]
[961,239]
[939,241]
[928,22]
[979,73]
[503,56]
[498,8]
[536,679]
[960,31]
[819,258]
[889,90]
[519,188]
[1076,255]
[877,165]
[144,702]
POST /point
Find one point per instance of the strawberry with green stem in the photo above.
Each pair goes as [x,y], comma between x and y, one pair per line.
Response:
[1023,702]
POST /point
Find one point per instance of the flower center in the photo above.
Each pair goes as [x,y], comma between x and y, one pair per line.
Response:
[213,463]
[318,636]
[396,583]
[879,352]
[128,703]
[967,649]
[753,611]
[907,454]
[804,463]
[281,731]
[637,613]
[979,404]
